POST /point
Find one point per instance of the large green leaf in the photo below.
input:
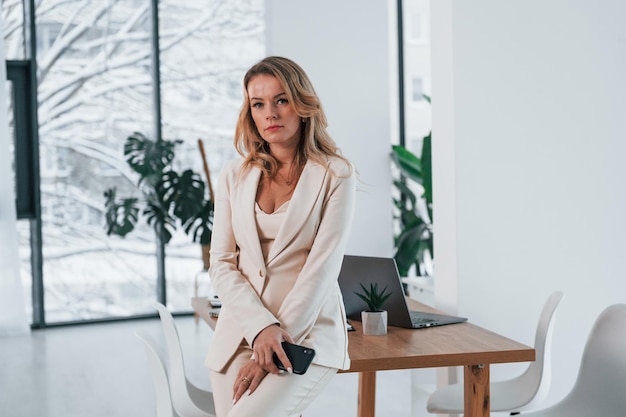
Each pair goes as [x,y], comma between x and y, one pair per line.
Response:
[427,170]
[408,246]
[170,199]
[148,158]
[415,237]
[157,216]
[406,192]
[408,163]
[410,218]
[120,217]
[183,194]
[200,227]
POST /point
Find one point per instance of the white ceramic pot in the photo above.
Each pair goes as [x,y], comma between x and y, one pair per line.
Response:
[374,322]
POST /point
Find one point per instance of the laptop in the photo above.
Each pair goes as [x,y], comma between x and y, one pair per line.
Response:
[365,270]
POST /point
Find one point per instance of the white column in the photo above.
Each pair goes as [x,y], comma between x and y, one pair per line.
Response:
[12,311]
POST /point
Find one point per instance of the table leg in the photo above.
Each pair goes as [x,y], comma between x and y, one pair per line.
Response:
[367,394]
[476,379]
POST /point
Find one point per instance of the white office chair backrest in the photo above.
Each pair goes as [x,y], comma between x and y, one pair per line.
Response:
[600,388]
[164,406]
[536,380]
[179,385]
[516,394]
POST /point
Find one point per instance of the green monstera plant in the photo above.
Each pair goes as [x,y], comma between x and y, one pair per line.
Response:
[170,199]
[414,242]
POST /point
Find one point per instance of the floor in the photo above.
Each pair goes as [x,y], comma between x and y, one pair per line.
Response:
[100,370]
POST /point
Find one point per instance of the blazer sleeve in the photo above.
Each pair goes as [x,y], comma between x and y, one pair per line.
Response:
[232,287]
[303,304]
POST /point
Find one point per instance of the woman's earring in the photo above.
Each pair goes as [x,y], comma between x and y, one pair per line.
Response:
[303,120]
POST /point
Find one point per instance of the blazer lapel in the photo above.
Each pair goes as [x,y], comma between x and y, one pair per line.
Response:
[303,200]
[244,211]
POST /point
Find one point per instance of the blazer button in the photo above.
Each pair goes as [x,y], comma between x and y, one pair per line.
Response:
[261,273]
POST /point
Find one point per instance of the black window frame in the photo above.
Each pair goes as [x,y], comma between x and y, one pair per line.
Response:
[18,72]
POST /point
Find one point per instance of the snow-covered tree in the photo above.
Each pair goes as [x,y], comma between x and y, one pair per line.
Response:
[95,88]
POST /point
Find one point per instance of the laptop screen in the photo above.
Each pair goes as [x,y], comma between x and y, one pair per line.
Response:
[365,270]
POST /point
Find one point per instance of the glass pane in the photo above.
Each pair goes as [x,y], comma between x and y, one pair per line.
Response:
[11,121]
[13,18]
[23,226]
[23,230]
[417,124]
[206,47]
[95,89]
[416,14]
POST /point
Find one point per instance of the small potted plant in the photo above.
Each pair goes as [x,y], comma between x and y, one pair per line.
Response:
[374,319]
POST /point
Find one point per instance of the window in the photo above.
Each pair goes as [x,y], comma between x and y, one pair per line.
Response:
[415,71]
[415,120]
[13,20]
[96,86]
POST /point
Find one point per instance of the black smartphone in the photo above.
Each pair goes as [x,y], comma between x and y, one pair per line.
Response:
[299,356]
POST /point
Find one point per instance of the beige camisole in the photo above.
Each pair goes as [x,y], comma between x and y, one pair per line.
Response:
[268,224]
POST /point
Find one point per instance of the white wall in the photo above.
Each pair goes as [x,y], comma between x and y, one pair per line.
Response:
[528,98]
[344,47]
[529,103]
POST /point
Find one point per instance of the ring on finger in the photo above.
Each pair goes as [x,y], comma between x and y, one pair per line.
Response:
[246,380]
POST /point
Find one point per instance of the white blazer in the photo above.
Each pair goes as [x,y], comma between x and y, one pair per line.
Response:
[297,286]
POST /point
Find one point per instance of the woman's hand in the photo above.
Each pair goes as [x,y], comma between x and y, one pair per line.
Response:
[268,342]
[248,379]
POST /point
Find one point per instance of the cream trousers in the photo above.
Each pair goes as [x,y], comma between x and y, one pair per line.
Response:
[279,395]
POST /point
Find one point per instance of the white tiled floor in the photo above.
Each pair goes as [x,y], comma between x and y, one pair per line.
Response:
[100,370]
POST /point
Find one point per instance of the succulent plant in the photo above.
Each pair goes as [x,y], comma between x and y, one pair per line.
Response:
[374,298]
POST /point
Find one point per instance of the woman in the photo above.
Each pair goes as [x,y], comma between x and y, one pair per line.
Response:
[282,218]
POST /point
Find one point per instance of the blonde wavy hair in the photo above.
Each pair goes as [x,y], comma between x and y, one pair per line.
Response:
[315,144]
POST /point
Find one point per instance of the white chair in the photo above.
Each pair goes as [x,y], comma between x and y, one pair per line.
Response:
[188,400]
[517,394]
[600,387]
[159,377]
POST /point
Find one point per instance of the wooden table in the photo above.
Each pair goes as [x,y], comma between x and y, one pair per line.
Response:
[462,344]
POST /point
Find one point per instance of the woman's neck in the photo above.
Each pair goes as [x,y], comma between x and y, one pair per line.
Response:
[284,157]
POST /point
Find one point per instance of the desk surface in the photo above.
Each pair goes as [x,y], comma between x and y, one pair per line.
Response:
[462,344]
[449,345]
